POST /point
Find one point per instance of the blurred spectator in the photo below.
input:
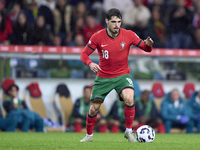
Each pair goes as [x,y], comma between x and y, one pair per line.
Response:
[79,40]
[16,8]
[31,12]
[63,21]
[196,19]
[146,112]
[57,41]
[2,5]
[180,25]
[5,29]
[136,18]
[48,3]
[39,35]
[88,3]
[195,42]
[10,3]
[90,28]
[113,118]
[46,11]
[18,108]
[97,10]
[21,31]
[158,5]
[8,124]
[157,29]
[174,111]
[78,27]
[122,6]
[80,111]
[194,107]
[80,10]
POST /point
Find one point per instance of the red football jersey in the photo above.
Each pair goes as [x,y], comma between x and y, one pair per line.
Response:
[113,52]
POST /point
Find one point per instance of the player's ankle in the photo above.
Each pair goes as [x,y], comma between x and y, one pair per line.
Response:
[89,135]
[128,130]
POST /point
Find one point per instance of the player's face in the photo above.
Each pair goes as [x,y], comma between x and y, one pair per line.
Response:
[175,95]
[86,94]
[114,24]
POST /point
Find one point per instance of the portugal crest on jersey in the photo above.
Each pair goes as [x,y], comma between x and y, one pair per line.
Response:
[122,44]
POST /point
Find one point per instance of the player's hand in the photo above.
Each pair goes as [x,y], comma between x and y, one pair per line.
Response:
[94,67]
[148,41]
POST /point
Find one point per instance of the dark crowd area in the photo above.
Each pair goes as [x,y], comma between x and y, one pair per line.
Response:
[171,23]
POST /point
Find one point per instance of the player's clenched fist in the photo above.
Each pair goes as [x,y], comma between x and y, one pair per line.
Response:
[94,67]
[148,41]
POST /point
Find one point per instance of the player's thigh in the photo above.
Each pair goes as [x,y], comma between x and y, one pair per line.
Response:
[101,88]
[124,82]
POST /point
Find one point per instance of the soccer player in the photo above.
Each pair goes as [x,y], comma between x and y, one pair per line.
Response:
[113,44]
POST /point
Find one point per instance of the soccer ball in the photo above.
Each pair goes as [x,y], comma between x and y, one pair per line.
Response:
[145,134]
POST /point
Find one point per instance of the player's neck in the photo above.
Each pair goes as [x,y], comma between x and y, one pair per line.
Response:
[113,35]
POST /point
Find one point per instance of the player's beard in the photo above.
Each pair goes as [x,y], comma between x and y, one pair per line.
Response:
[113,31]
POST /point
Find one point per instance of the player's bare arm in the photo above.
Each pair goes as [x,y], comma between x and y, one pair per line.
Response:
[94,67]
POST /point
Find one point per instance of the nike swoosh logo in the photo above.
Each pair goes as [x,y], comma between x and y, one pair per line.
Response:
[104,45]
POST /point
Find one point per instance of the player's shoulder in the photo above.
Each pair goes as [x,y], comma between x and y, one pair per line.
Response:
[126,31]
[100,32]
[129,33]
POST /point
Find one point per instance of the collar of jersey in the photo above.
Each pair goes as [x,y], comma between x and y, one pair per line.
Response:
[111,36]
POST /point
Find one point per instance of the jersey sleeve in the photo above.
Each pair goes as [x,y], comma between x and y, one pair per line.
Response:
[135,39]
[138,42]
[92,43]
[89,49]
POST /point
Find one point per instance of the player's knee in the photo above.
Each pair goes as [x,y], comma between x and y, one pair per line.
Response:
[116,123]
[159,121]
[102,121]
[93,111]
[128,100]
[78,120]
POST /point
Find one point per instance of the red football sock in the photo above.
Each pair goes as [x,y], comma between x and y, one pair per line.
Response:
[115,129]
[90,122]
[103,128]
[129,112]
[78,127]
[161,128]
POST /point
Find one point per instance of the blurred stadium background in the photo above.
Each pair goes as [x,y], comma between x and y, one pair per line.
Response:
[41,42]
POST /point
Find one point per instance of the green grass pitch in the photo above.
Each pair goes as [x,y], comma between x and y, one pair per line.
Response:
[107,141]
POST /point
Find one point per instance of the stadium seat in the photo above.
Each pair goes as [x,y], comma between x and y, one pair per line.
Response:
[158,94]
[34,98]
[35,102]
[63,103]
[188,89]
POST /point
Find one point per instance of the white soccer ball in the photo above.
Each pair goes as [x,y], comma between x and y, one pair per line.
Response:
[145,134]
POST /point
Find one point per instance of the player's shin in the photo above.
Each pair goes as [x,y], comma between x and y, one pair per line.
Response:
[129,112]
[90,123]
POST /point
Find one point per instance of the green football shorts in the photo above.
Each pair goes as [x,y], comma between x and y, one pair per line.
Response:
[102,86]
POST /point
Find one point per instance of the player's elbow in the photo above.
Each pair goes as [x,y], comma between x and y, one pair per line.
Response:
[149,49]
[82,56]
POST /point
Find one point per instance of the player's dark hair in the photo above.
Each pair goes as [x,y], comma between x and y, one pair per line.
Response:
[86,87]
[113,12]
[14,85]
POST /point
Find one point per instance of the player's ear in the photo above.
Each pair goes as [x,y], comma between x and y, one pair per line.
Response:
[106,20]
